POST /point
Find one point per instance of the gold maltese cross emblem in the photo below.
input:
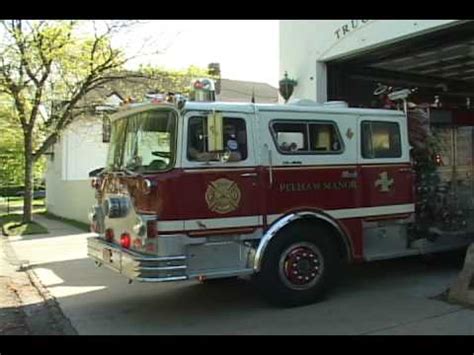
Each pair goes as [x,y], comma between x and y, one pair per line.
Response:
[384,183]
[223,196]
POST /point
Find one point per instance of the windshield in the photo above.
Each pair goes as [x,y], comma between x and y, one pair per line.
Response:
[143,142]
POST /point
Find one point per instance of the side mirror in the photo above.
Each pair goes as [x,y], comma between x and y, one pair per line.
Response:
[95,172]
[215,132]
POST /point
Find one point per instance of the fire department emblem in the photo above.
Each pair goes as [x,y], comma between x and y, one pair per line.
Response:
[223,196]
[384,183]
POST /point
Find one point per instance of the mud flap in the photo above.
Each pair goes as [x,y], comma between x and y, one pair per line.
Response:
[462,290]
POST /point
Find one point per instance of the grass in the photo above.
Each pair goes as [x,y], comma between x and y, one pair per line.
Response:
[79,225]
[15,204]
[12,225]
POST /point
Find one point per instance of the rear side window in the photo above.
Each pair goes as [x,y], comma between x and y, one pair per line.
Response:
[381,140]
[306,137]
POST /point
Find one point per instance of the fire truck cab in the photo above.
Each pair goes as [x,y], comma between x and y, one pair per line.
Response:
[285,193]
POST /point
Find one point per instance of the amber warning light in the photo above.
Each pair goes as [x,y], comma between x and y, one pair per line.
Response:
[95,182]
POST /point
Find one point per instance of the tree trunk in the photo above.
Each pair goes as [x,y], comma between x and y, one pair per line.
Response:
[28,197]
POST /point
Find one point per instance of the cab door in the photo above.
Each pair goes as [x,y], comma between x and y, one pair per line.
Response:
[385,171]
[220,196]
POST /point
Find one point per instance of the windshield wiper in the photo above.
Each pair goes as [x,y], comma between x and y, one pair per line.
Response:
[123,170]
[128,172]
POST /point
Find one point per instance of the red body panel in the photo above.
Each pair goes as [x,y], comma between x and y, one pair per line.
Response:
[400,178]
[315,187]
[353,228]
[181,194]
[195,184]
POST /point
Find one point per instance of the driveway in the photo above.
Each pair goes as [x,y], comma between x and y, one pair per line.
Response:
[390,297]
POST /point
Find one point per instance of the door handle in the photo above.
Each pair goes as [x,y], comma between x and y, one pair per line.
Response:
[405,170]
[248,174]
[346,174]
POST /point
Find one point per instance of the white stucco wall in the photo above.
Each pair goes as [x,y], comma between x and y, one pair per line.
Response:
[70,199]
[79,150]
[305,46]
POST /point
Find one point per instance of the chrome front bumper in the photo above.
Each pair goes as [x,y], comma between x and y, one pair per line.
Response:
[137,266]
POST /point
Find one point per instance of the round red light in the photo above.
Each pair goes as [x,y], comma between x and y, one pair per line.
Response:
[109,234]
[125,240]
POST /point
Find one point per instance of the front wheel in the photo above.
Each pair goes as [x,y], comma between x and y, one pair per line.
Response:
[298,266]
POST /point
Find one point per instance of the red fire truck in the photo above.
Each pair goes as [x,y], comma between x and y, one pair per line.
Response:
[286,193]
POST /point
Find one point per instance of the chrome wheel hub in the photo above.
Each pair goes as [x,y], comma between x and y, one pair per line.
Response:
[301,266]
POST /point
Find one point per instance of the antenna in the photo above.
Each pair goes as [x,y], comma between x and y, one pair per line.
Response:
[253,95]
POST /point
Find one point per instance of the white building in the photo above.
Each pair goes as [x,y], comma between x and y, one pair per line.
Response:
[332,59]
[350,60]
[79,150]
[82,148]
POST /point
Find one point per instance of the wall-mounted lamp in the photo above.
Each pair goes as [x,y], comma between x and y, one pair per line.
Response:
[287,86]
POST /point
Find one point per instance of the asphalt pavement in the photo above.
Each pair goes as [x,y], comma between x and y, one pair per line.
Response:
[399,297]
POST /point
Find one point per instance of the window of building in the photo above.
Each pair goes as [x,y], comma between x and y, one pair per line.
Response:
[306,137]
[381,140]
[235,140]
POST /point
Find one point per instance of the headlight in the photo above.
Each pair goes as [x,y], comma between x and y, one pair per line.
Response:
[116,207]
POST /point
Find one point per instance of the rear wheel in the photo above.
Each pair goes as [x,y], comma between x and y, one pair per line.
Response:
[298,265]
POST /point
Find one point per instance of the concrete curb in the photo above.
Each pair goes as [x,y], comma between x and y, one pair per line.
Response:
[12,316]
[43,313]
[52,304]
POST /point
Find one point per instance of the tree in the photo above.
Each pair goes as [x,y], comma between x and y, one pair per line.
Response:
[11,150]
[177,81]
[45,62]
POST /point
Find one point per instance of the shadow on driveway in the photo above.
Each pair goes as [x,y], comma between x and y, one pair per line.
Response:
[377,295]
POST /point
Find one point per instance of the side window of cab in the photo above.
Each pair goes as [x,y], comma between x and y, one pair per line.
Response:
[381,140]
[235,147]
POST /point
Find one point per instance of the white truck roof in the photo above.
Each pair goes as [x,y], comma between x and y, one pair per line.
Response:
[317,108]
[336,107]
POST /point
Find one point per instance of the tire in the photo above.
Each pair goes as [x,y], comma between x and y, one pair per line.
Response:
[298,266]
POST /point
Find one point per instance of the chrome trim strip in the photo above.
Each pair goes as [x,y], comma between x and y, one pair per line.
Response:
[182,226]
[136,266]
[360,212]
[163,279]
[282,222]
[161,268]
[162,258]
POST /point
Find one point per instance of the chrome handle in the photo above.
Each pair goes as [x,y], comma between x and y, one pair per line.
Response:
[405,170]
[270,162]
[346,174]
[248,174]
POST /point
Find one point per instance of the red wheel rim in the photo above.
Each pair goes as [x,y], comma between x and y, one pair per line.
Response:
[301,266]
